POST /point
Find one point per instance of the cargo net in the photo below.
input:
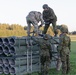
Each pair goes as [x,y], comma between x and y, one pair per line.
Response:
[20,55]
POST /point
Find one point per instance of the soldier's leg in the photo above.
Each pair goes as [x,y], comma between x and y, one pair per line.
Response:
[28,28]
[47,63]
[46,28]
[47,67]
[64,67]
[42,60]
[42,69]
[36,29]
[54,25]
[68,64]
[35,24]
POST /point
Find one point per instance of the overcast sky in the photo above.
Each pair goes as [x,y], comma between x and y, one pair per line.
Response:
[15,11]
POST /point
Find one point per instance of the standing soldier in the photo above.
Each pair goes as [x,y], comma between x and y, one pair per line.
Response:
[45,54]
[34,18]
[64,49]
[49,17]
[58,65]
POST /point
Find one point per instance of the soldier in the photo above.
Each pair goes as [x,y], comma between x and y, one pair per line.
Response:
[34,18]
[58,65]
[45,54]
[64,49]
[49,17]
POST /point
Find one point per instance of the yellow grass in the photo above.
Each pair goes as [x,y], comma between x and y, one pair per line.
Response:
[73,37]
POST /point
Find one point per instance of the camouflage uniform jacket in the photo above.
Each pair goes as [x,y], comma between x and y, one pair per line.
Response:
[35,16]
[45,47]
[64,46]
[49,15]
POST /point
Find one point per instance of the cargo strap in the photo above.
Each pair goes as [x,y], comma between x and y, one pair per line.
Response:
[31,53]
[27,54]
[29,48]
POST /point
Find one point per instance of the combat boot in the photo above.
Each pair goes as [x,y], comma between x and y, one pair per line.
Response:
[68,70]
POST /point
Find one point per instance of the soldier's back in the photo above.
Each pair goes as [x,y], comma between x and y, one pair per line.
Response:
[33,15]
[65,43]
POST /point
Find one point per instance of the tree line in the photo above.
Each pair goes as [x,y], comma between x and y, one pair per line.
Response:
[19,30]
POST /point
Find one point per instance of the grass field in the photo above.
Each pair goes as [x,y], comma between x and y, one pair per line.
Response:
[72,62]
[73,37]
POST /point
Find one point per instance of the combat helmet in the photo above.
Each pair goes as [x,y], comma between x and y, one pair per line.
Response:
[64,29]
[45,6]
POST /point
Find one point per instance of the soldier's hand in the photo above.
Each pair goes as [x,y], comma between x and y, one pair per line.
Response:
[47,22]
[40,26]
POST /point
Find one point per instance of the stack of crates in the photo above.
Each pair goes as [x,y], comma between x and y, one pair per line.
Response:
[20,55]
[17,56]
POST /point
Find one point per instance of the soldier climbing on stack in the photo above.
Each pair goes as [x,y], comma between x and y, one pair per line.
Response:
[49,17]
[34,17]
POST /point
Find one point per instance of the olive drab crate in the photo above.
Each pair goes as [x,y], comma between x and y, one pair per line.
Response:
[20,55]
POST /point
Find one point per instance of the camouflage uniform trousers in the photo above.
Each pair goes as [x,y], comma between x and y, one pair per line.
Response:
[45,61]
[47,24]
[65,64]
[35,24]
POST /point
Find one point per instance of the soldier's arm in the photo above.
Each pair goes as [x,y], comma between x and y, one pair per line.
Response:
[44,16]
[35,39]
[52,14]
[50,50]
[42,21]
[48,44]
[69,44]
[59,48]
